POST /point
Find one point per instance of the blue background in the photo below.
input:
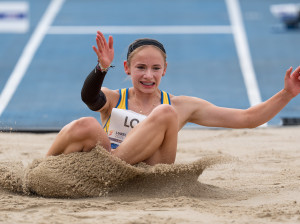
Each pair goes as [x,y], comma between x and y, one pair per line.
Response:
[201,65]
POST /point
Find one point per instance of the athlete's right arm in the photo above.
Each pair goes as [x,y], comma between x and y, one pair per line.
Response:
[91,92]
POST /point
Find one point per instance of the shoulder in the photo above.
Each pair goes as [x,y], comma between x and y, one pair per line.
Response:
[189,107]
[112,97]
[179,101]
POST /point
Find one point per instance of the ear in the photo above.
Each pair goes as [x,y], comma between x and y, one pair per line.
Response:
[165,69]
[126,68]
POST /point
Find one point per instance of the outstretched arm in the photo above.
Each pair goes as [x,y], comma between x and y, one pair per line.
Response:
[204,113]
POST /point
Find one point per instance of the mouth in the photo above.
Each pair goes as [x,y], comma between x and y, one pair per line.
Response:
[147,84]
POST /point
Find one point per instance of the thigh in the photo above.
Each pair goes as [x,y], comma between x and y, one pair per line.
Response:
[154,140]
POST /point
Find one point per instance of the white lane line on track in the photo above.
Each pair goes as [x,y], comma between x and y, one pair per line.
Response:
[28,53]
[65,30]
[241,42]
[243,52]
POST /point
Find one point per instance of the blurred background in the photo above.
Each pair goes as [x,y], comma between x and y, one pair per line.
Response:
[233,53]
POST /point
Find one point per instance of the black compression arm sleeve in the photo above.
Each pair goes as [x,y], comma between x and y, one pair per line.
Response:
[91,93]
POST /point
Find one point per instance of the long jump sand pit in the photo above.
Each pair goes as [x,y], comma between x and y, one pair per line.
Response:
[220,176]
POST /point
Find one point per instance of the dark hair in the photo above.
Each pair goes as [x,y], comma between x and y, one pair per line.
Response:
[142,42]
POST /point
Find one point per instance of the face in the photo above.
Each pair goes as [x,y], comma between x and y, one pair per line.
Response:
[147,66]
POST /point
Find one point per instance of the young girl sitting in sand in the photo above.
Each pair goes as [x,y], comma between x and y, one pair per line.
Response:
[155,115]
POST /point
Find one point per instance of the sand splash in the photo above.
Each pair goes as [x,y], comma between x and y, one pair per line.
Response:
[98,173]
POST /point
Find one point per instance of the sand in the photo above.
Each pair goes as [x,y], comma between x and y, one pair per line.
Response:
[220,176]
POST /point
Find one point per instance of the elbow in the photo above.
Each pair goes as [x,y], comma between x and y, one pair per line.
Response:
[256,124]
[246,125]
[250,121]
[84,98]
[87,100]
[252,126]
[87,97]
[94,103]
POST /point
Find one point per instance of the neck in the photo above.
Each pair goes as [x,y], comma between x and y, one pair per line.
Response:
[145,98]
[144,103]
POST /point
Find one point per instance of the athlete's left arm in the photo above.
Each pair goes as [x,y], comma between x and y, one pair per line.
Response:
[201,112]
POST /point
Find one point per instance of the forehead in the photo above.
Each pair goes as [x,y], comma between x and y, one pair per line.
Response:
[148,54]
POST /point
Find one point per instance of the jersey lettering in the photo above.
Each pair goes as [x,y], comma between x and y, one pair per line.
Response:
[131,124]
[121,122]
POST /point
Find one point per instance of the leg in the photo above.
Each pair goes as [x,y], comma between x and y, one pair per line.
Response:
[154,140]
[80,135]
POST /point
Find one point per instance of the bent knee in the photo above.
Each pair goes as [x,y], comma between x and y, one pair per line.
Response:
[86,122]
[166,110]
[164,113]
[83,127]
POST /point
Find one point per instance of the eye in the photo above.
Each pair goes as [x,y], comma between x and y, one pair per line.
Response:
[156,68]
[141,67]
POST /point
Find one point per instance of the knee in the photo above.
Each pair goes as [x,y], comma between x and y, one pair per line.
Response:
[82,128]
[86,122]
[165,113]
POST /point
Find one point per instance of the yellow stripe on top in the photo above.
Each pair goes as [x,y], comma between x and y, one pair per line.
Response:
[123,103]
[165,98]
[123,100]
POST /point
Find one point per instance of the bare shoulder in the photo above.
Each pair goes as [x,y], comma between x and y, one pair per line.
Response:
[112,98]
[186,107]
[183,101]
[111,94]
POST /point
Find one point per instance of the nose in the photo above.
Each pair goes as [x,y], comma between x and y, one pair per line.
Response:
[148,74]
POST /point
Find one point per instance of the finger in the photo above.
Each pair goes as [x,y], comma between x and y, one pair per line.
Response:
[110,42]
[97,53]
[296,73]
[288,72]
[100,37]
[298,70]
[99,45]
[99,32]
[96,50]
[103,40]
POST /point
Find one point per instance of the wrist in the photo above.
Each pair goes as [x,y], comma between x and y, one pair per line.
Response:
[288,94]
[103,69]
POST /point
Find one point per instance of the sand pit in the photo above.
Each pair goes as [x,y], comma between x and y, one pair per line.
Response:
[98,173]
[260,184]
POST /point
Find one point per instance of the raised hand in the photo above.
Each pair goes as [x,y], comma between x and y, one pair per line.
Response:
[104,50]
[292,81]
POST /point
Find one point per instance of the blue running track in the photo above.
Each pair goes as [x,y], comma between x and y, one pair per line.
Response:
[233,53]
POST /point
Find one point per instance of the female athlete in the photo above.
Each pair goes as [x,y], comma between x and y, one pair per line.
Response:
[155,115]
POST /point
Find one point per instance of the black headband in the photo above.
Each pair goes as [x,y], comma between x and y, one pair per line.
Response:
[142,42]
